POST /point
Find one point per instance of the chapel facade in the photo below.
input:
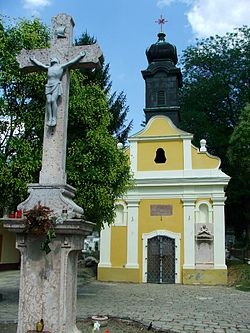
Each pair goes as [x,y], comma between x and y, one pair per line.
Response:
[170,227]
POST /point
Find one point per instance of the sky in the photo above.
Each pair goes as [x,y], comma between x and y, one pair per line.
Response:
[125,28]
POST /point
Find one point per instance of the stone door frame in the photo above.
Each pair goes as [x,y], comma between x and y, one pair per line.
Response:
[170,234]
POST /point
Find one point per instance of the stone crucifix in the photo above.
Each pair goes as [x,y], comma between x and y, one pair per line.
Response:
[53,89]
[57,61]
[48,283]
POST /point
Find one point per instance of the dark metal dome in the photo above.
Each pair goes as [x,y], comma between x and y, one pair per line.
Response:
[162,51]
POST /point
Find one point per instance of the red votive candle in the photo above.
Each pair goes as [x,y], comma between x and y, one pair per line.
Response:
[19,214]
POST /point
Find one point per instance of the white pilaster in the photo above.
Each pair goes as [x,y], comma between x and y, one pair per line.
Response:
[187,154]
[132,235]
[189,239]
[105,246]
[133,156]
[219,233]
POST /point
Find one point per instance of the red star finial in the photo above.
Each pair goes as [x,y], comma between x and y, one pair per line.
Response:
[161,21]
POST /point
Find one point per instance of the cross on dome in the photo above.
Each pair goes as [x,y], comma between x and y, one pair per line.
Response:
[161,21]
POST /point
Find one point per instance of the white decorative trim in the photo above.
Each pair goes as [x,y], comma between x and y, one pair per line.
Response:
[187,154]
[133,157]
[159,191]
[219,232]
[137,136]
[170,234]
[218,199]
[160,138]
[189,240]
[105,247]
[104,265]
[220,267]
[194,175]
[132,266]
[132,234]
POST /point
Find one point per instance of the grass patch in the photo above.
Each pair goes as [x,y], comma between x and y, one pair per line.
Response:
[243,287]
[239,275]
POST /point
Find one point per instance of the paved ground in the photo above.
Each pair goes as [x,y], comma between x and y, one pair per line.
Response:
[174,308]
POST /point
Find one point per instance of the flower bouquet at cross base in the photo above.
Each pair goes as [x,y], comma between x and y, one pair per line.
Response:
[39,221]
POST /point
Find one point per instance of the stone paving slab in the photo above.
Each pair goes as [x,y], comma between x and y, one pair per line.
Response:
[174,308]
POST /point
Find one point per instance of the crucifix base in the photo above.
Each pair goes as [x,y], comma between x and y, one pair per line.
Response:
[57,197]
[48,283]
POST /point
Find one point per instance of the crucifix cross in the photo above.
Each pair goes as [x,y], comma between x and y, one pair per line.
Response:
[57,61]
[161,21]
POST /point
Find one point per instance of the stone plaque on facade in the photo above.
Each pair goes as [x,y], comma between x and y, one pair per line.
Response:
[161,210]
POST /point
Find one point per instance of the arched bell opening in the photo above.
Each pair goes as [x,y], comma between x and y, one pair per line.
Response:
[160,156]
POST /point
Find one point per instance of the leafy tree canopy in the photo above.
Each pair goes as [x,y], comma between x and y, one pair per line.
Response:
[239,145]
[117,102]
[95,166]
[21,111]
[216,87]
[239,160]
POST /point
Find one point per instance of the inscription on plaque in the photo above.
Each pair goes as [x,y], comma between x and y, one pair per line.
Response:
[161,210]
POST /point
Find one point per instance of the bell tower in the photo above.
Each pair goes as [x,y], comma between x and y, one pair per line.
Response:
[163,80]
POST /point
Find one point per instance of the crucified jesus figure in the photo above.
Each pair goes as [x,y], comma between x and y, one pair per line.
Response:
[53,88]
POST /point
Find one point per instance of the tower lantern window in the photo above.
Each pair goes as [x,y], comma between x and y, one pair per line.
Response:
[161,98]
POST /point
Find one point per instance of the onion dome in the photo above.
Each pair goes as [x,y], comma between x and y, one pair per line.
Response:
[162,51]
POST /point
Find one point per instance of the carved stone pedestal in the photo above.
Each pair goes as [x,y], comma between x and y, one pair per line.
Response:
[48,283]
[58,197]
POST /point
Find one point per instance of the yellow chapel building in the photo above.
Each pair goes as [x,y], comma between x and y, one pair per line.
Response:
[170,227]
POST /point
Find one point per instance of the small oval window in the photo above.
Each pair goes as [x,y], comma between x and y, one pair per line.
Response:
[160,156]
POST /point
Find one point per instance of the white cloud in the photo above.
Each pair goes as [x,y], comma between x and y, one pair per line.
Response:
[163,3]
[210,17]
[35,5]
[218,16]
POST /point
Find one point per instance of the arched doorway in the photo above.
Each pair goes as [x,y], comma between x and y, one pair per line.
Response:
[161,257]
[161,260]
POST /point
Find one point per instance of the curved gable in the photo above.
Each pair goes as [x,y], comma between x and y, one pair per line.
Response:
[160,126]
[203,160]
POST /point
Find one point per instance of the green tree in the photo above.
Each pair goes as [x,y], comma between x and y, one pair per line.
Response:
[94,165]
[239,145]
[116,101]
[21,111]
[216,88]
[239,160]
